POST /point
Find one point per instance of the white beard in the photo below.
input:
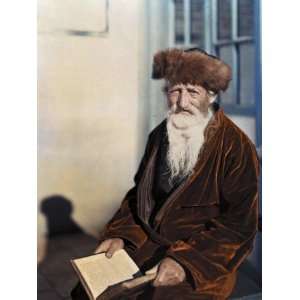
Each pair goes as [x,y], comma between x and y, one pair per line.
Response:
[186,137]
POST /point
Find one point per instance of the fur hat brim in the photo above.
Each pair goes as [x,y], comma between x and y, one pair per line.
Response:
[194,67]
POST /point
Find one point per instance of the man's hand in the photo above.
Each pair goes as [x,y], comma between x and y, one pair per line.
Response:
[110,246]
[170,272]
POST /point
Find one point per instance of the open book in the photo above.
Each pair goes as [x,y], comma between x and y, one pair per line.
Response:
[105,278]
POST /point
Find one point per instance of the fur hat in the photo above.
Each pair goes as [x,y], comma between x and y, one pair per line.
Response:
[192,66]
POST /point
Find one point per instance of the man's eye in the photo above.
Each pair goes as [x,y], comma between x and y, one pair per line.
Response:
[194,93]
[173,92]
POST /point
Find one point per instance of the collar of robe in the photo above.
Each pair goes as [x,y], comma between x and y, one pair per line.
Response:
[145,201]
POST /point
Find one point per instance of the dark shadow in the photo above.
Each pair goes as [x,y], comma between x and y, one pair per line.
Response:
[65,240]
[57,210]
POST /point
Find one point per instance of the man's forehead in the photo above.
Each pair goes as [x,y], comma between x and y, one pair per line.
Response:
[186,85]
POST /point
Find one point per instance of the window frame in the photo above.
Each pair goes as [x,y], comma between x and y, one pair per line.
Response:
[212,45]
[235,41]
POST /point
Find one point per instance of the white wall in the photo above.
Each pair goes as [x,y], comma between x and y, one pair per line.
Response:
[158,40]
[93,106]
[91,103]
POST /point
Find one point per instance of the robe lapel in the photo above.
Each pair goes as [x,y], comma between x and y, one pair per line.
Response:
[144,191]
[211,138]
[145,201]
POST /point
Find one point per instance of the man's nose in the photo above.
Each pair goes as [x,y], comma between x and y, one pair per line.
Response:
[183,100]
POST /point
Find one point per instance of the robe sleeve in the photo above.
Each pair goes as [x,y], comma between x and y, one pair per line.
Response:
[218,250]
[124,224]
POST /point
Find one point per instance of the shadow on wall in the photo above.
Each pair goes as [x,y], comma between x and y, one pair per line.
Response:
[65,240]
[58,210]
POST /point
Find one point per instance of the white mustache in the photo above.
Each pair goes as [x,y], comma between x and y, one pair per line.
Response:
[186,136]
[191,110]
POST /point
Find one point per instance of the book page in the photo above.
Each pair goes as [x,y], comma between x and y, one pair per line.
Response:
[100,272]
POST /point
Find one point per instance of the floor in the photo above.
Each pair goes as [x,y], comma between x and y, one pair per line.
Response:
[56,277]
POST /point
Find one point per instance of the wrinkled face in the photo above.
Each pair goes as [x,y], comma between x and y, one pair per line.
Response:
[187,118]
[188,99]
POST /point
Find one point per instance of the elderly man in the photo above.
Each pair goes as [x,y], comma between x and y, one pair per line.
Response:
[192,215]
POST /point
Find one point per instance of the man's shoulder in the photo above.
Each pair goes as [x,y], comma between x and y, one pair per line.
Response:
[158,130]
[235,136]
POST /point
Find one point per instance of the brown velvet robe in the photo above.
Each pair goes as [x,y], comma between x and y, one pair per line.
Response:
[207,224]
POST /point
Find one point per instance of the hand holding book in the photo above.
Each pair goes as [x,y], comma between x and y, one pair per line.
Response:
[105,278]
[110,246]
[170,272]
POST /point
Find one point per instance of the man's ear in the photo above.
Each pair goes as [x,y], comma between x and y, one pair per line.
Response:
[212,98]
